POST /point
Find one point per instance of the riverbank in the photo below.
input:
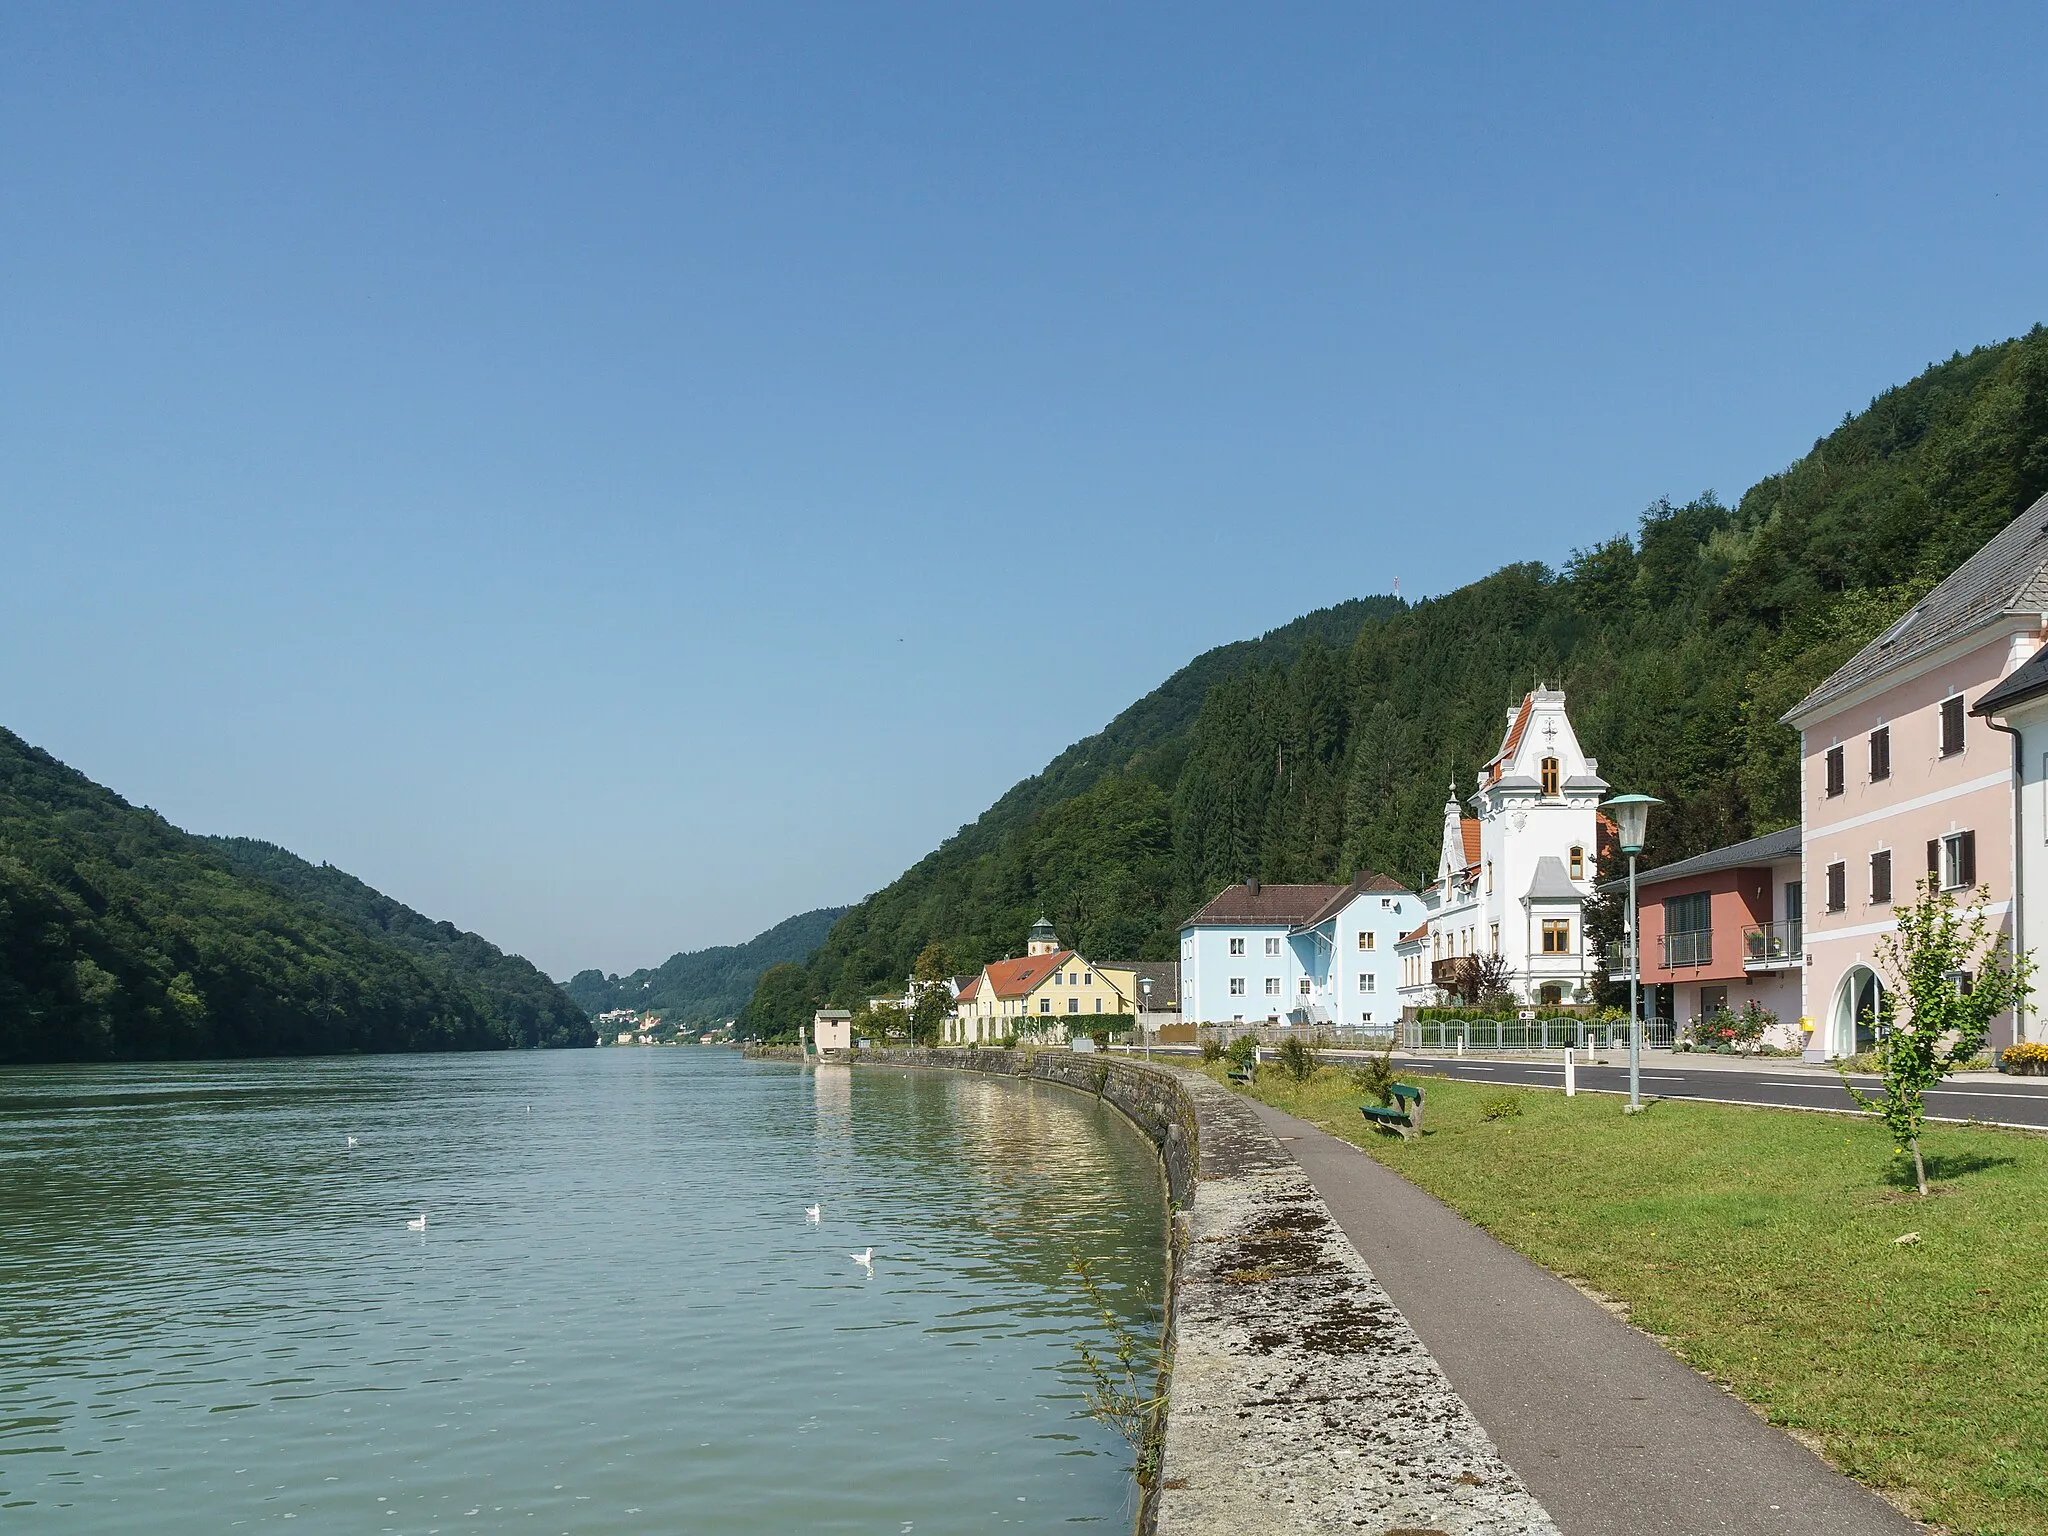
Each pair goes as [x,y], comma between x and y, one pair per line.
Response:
[1763,1248]
[1298,1398]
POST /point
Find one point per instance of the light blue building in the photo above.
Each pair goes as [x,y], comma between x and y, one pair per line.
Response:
[1300,954]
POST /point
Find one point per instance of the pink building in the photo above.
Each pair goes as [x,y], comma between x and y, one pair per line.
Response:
[1724,929]
[1898,783]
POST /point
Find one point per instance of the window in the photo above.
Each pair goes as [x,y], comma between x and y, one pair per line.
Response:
[1689,914]
[1367,982]
[1098,1005]
[1237,986]
[1952,726]
[1304,986]
[1045,1005]
[1237,946]
[1795,901]
[1368,941]
[1057,978]
[1489,877]
[1550,776]
[1880,754]
[1087,979]
[1272,946]
[1880,877]
[1838,886]
[1557,935]
[1366,1017]
[1834,772]
[1272,986]
[1578,863]
[1073,1005]
[1952,861]
[1493,935]
[1386,903]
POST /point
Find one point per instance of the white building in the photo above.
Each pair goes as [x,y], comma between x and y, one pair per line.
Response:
[1513,879]
[1303,954]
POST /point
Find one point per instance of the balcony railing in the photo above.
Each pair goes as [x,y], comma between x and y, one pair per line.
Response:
[1455,974]
[1773,944]
[1619,960]
[1681,949]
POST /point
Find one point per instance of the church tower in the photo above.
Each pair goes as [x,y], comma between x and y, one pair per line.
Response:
[1043,941]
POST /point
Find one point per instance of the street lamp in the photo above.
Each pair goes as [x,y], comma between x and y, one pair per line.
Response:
[1145,1007]
[1631,815]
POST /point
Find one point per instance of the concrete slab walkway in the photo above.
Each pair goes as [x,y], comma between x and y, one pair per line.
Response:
[1612,1433]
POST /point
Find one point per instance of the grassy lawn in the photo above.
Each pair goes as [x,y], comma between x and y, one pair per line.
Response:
[1759,1244]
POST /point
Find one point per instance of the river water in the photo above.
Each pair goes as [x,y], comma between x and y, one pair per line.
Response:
[214,1316]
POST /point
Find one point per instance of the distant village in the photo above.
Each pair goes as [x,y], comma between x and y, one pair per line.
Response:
[1923,758]
[629,1026]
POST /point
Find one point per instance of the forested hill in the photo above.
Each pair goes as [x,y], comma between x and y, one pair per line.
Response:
[1680,646]
[706,986]
[525,1004]
[122,937]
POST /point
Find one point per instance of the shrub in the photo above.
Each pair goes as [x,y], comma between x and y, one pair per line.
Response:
[1212,1050]
[1297,1058]
[2029,1056]
[1243,1052]
[1500,1106]
[1375,1076]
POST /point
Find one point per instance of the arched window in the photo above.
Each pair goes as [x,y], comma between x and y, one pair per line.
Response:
[1550,776]
[1578,863]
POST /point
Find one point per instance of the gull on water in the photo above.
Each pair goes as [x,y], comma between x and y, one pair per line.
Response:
[418,1223]
[812,1213]
[866,1258]
[351,1141]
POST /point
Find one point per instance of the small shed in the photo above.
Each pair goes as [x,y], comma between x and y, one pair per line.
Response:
[832,1029]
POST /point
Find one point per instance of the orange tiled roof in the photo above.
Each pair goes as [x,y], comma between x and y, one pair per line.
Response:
[1514,737]
[1470,827]
[1421,932]
[1015,978]
[969,992]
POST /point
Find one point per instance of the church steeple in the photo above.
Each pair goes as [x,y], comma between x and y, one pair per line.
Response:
[1043,941]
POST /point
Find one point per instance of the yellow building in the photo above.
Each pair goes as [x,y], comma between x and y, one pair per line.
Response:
[1047,995]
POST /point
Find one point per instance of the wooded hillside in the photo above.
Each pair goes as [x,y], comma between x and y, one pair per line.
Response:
[1331,744]
[122,937]
[706,986]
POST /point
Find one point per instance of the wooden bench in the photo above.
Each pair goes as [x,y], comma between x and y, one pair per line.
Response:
[1404,1115]
[1243,1075]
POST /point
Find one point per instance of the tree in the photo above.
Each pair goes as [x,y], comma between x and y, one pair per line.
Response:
[1952,972]
[931,999]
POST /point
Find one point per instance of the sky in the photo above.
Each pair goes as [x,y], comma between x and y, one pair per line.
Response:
[613,477]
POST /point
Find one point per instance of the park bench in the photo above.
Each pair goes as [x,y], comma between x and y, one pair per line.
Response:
[1243,1075]
[1404,1115]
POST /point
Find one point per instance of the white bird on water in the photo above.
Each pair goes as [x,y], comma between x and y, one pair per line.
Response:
[351,1141]
[865,1259]
[812,1212]
[418,1223]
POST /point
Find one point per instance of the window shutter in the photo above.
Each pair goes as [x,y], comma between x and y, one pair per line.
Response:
[1968,859]
[1934,860]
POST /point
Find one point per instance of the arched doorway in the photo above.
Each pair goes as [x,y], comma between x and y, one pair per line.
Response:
[1855,1013]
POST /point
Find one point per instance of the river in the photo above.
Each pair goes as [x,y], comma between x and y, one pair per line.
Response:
[618,1318]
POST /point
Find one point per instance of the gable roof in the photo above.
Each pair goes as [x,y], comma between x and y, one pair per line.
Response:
[2008,575]
[2028,681]
[1768,849]
[1421,932]
[969,992]
[1363,883]
[1470,828]
[1015,978]
[1165,975]
[1512,740]
[1265,905]
[1551,883]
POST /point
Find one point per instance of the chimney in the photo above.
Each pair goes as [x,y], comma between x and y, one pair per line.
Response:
[1252,885]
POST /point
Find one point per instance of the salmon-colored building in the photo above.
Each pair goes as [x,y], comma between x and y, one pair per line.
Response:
[1900,785]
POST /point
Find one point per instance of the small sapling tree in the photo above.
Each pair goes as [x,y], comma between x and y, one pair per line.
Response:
[1951,974]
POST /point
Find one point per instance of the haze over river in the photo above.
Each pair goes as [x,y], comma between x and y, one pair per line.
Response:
[213,1315]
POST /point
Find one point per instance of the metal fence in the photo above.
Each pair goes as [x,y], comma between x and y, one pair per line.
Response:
[1531,1034]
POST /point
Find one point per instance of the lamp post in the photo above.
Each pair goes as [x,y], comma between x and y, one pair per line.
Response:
[1631,815]
[1145,1007]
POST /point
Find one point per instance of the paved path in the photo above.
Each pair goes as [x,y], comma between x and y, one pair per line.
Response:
[1614,1435]
[1981,1096]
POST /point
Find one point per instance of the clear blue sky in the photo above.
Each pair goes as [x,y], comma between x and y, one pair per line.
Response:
[616,476]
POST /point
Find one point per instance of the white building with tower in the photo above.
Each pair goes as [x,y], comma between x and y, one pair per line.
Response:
[1514,876]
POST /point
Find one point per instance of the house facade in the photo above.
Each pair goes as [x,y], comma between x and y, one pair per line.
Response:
[1513,878]
[2018,707]
[1724,929]
[1301,954]
[1049,995]
[1900,783]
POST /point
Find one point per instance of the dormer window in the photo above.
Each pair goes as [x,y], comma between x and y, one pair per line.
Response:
[1550,776]
[1578,863]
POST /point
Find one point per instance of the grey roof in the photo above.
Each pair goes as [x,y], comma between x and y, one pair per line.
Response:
[1361,883]
[2008,575]
[2028,681]
[1250,904]
[1585,781]
[1165,975]
[1551,883]
[1768,849]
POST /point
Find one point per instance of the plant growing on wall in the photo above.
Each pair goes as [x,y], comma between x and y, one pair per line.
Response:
[1950,975]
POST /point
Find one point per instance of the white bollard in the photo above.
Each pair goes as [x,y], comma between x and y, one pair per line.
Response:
[1571,1075]
[1461,1045]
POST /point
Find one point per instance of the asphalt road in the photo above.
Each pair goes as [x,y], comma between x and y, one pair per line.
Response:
[1994,1102]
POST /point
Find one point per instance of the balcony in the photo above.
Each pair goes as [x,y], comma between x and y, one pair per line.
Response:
[1619,961]
[1688,949]
[1459,974]
[1774,946]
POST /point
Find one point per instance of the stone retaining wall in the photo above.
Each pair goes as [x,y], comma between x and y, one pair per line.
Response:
[1299,1398]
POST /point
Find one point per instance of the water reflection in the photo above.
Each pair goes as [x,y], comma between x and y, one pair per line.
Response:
[212,1313]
